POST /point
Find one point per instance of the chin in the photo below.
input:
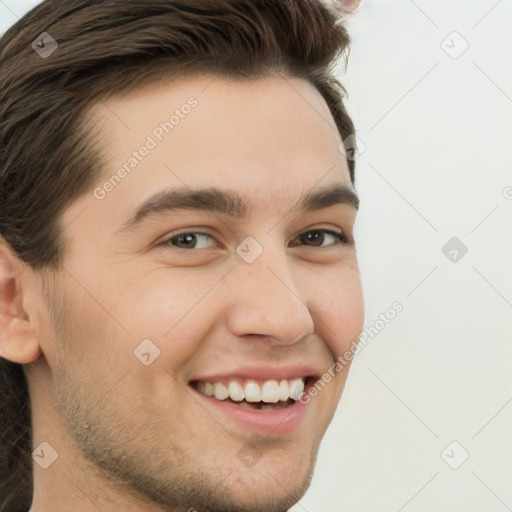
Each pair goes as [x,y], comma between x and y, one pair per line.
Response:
[269,486]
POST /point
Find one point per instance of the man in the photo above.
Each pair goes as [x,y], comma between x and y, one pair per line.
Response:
[177,260]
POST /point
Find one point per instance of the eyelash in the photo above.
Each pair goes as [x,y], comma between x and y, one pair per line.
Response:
[341,237]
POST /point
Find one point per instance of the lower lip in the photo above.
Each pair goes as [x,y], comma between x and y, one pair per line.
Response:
[275,423]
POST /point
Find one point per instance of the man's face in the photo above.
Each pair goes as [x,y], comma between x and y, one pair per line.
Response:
[217,308]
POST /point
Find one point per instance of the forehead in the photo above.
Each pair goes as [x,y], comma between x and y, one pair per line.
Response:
[273,139]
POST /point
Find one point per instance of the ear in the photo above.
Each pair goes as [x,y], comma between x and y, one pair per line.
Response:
[18,338]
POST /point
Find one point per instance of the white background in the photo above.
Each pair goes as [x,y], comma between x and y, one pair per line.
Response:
[436,132]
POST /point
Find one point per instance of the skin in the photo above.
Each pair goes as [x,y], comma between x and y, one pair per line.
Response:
[133,437]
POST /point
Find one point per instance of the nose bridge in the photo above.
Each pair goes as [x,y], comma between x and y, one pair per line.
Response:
[265,300]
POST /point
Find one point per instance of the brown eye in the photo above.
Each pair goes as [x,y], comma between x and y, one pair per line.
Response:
[189,241]
[317,237]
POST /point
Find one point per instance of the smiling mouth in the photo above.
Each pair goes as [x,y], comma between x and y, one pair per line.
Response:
[268,395]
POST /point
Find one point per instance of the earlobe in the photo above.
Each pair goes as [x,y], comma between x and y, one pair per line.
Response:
[19,344]
[18,338]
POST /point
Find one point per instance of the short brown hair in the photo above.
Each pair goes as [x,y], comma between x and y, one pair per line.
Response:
[48,155]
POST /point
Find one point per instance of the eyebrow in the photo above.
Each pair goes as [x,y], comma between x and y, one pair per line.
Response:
[231,204]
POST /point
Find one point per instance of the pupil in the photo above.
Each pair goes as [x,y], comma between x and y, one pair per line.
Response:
[315,237]
[189,239]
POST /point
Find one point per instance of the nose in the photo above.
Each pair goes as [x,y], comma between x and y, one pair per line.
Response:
[265,302]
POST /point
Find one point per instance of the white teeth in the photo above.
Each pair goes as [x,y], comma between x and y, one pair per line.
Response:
[284,390]
[208,389]
[296,388]
[270,391]
[220,391]
[236,392]
[252,392]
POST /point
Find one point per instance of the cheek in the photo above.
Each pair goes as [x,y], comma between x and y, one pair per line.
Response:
[175,313]
[90,324]
[341,309]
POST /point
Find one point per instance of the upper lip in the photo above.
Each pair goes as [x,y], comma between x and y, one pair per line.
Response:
[263,372]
